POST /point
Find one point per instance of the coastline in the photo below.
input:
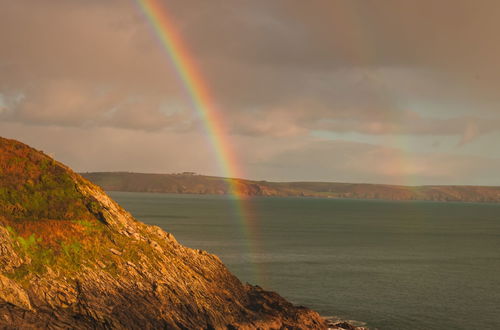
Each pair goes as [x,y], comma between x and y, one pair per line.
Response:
[209,185]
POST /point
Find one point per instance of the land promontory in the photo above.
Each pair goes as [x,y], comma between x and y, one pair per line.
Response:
[191,183]
[72,258]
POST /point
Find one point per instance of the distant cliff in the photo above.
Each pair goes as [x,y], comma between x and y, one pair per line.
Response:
[189,183]
[72,258]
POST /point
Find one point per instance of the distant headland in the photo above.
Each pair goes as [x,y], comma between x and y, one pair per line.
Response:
[192,183]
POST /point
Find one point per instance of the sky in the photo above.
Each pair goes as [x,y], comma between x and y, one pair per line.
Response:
[377,91]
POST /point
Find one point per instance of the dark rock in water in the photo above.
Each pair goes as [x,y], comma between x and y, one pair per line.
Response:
[334,323]
[70,257]
[345,325]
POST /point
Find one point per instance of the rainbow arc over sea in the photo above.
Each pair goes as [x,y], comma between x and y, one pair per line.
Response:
[197,88]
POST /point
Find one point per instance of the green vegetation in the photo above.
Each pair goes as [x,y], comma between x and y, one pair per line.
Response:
[60,245]
[65,246]
[34,186]
[29,243]
[72,251]
[88,225]
[31,247]
[52,196]
[52,225]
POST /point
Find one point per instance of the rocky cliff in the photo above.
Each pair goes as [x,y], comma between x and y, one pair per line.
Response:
[70,257]
[200,184]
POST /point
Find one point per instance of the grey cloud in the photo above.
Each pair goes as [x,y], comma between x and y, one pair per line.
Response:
[118,149]
[80,63]
[261,54]
[278,70]
[345,161]
[73,103]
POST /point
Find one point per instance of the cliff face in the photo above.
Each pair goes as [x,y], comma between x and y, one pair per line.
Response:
[70,257]
[199,184]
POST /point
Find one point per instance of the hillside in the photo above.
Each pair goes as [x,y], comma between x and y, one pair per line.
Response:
[70,257]
[199,184]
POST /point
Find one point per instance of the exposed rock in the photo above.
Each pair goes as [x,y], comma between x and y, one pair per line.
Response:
[8,257]
[118,253]
[70,257]
[335,323]
[12,293]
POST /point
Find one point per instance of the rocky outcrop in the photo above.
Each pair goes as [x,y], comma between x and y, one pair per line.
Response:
[14,294]
[70,257]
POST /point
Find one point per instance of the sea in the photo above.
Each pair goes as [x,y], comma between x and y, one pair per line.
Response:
[393,265]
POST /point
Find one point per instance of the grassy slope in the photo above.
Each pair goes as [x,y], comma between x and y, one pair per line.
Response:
[44,212]
[54,224]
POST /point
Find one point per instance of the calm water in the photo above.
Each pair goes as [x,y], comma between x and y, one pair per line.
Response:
[395,265]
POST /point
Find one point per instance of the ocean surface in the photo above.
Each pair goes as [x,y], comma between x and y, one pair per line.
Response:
[394,265]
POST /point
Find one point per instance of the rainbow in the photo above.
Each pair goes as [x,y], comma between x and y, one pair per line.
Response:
[203,102]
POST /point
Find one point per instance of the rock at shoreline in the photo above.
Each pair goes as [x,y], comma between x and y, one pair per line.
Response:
[334,323]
